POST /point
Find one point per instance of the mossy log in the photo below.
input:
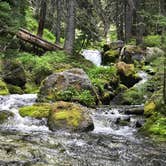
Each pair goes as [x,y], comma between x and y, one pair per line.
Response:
[37,41]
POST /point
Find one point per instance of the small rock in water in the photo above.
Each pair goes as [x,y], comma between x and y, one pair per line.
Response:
[139,123]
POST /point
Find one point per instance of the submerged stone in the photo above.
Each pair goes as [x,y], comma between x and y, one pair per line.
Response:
[5,115]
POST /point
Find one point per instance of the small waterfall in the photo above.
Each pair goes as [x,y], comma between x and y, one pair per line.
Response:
[93,55]
[144,77]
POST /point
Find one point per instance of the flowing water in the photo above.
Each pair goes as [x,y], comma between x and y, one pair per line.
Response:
[93,55]
[28,142]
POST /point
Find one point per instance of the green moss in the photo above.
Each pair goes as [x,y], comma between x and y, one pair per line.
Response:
[65,115]
[72,117]
[3,88]
[149,108]
[110,56]
[126,69]
[36,111]
[14,89]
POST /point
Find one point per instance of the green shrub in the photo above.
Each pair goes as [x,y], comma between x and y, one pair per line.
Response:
[152,41]
[102,75]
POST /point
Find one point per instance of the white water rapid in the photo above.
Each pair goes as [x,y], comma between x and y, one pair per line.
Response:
[93,55]
[11,104]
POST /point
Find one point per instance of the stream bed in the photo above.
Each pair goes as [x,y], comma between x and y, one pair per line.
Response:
[28,142]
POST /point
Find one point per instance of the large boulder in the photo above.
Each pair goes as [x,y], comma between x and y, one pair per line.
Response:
[113,45]
[13,73]
[131,53]
[69,116]
[127,74]
[70,85]
[153,53]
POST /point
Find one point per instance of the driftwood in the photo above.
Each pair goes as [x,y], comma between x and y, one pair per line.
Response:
[37,41]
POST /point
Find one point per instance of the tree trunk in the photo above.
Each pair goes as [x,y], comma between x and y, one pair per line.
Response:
[42,18]
[58,25]
[129,11]
[70,28]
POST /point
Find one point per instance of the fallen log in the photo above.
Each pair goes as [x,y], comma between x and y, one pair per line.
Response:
[37,41]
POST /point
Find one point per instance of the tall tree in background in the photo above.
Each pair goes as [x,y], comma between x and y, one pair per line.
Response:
[70,27]
[42,18]
[59,19]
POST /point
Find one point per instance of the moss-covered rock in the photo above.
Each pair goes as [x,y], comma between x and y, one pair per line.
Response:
[110,56]
[127,74]
[3,88]
[71,85]
[69,116]
[131,53]
[149,108]
[40,110]
[13,73]
[153,53]
[13,89]
[4,116]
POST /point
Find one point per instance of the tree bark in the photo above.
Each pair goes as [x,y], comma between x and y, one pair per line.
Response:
[42,18]
[70,28]
[58,25]
[129,11]
[37,41]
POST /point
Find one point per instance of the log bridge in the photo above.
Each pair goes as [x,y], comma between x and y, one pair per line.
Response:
[27,36]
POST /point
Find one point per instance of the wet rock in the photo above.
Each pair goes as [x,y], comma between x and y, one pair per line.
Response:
[70,85]
[69,116]
[123,121]
[13,73]
[5,115]
[136,111]
[127,74]
[139,123]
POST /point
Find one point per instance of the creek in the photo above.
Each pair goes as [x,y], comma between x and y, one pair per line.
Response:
[115,140]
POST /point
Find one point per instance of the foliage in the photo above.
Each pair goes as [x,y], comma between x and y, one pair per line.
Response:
[152,41]
[12,17]
[72,94]
[102,75]
[135,95]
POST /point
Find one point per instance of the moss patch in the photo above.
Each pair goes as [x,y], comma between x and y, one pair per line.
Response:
[36,111]
[3,88]
[149,108]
